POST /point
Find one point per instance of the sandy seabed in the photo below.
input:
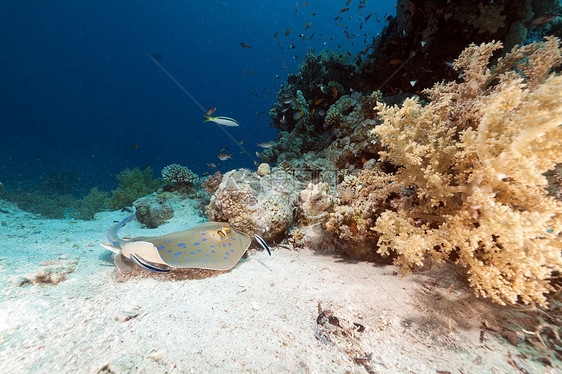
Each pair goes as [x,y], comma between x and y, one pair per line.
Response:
[64,308]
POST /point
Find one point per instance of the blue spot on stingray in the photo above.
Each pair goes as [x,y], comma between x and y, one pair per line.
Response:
[203,240]
[192,253]
[177,254]
[181,244]
[169,251]
[213,261]
[187,259]
[196,243]
[227,254]
[175,258]
[225,258]
[161,247]
[229,243]
[232,250]
[233,239]
[224,245]
[212,251]
[212,246]
[198,250]
[169,241]
[208,255]
[203,233]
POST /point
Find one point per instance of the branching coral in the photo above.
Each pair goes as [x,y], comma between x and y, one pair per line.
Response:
[212,182]
[180,175]
[475,158]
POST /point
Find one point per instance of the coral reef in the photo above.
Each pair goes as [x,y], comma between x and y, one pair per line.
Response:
[254,204]
[181,176]
[153,211]
[361,199]
[314,204]
[474,159]
[263,169]
[133,184]
[95,201]
[212,182]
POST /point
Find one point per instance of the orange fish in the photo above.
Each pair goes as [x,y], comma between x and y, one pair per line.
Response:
[287,32]
[369,16]
[366,50]
[348,2]
[312,112]
[395,61]
[305,4]
[134,146]
[250,72]
[314,13]
[347,34]
[318,101]
[275,36]
[307,25]
[335,93]
[344,10]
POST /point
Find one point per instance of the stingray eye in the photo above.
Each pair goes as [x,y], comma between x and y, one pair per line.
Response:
[221,233]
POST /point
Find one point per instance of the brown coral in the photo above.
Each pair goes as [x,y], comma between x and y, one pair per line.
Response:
[212,182]
[361,199]
[475,158]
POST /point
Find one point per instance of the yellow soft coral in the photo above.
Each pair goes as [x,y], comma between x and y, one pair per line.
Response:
[475,157]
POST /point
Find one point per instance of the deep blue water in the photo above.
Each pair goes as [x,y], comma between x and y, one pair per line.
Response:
[78,90]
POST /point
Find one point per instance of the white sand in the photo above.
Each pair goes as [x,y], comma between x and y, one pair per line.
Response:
[259,317]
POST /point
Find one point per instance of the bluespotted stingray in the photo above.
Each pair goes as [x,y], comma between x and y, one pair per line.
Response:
[210,245]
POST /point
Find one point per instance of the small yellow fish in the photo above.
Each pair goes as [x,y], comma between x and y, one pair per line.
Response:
[307,25]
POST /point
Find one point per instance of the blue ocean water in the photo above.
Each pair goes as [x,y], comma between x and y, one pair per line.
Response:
[79,92]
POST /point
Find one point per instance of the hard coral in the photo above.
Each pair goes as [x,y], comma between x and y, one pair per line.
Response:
[184,178]
[253,204]
[314,204]
[475,158]
[361,199]
[212,182]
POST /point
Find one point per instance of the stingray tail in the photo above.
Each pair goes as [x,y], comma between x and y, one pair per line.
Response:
[111,235]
